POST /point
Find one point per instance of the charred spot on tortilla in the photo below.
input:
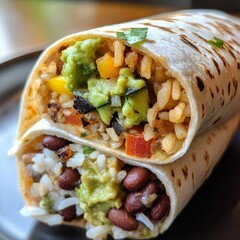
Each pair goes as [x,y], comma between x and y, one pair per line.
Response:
[206,156]
[231,53]
[179,182]
[229,88]
[185,39]
[172,173]
[216,65]
[217,120]
[209,140]
[238,65]
[193,157]
[202,38]
[166,29]
[200,83]
[185,171]
[207,70]
[203,110]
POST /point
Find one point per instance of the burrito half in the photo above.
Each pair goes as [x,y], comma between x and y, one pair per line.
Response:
[65,182]
[144,88]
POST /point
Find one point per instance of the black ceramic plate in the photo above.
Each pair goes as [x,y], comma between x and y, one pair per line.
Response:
[213,213]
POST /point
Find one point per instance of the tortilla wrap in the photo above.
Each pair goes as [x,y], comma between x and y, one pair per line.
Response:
[177,45]
[180,179]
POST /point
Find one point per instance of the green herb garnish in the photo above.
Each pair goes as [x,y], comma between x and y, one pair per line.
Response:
[216,42]
[83,134]
[87,149]
[134,35]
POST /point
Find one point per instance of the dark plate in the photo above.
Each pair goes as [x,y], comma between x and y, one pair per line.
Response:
[213,213]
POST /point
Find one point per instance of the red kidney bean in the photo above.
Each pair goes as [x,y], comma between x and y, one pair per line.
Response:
[136,178]
[160,208]
[133,203]
[68,213]
[150,188]
[54,143]
[69,179]
[122,219]
[137,201]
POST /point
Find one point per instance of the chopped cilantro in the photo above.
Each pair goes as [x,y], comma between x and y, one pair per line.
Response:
[134,35]
[87,149]
[83,134]
[216,42]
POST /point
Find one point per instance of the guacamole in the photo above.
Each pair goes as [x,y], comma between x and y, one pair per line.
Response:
[81,72]
[135,105]
[79,62]
[98,193]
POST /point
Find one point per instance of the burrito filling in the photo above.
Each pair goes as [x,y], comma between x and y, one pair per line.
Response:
[66,182]
[118,95]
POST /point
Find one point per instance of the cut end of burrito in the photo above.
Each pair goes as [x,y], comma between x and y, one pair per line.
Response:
[114,94]
[63,182]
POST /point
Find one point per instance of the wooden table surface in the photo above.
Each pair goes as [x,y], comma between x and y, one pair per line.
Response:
[29,25]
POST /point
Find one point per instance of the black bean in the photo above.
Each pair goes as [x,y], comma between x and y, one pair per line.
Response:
[136,178]
[68,213]
[122,219]
[69,179]
[54,143]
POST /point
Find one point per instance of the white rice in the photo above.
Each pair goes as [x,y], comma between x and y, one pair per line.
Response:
[76,161]
[57,169]
[39,165]
[105,136]
[101,161]
[79,210]
[112,133]
[32,211]
[63,192]
[94,154]
[99,231]
[49,163]
[45,185]
[67,202]
[49,153]
[121,175]
[145,220]
[35,190]
[119,233]
[75,147]
[113,172]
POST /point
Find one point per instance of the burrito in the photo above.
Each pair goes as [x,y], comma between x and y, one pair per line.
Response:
[66,182]
[145,88]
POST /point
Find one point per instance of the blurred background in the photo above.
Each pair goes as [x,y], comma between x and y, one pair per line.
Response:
[29,25]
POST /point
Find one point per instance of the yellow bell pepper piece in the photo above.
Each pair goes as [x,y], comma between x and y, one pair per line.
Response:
[58,84]
[105,65]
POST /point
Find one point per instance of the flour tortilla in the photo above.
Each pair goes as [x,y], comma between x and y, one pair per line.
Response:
[179,42]
[181,178]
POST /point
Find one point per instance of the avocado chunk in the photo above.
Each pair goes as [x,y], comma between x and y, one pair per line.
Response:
[135,107]
[99,91]
[127,80]
[106,113]
[79,62]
